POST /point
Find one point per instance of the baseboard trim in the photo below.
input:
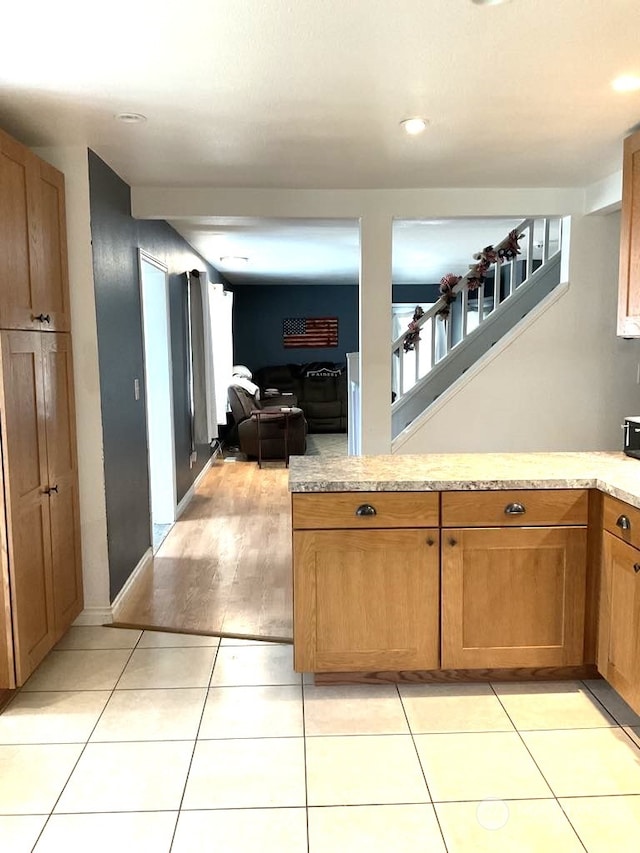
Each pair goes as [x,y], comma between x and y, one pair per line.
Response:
[457,676]
[184,503]
[144,561]
[91,616]
[227,635]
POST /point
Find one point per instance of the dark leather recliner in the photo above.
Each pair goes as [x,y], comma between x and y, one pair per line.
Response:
[319,387]
[272,431]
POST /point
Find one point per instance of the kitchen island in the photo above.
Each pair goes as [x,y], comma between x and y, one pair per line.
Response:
[468,566]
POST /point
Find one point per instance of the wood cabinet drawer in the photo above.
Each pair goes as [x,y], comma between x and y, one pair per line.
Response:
[515,508]
[360,510]
[622,520]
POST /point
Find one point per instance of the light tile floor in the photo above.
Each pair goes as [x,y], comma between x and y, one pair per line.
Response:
[138,742]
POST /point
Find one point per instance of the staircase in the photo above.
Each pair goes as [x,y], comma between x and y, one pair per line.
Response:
[474,312]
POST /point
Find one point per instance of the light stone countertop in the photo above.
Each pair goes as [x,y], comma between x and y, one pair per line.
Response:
[613,473]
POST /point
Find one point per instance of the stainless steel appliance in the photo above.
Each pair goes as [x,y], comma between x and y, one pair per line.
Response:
[631,430]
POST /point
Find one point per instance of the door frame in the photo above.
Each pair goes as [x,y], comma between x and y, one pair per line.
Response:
[144,257]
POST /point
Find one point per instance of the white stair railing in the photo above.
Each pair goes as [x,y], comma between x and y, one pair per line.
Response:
[539,241]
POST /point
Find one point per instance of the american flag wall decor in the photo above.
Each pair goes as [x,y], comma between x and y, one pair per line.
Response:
[310,332]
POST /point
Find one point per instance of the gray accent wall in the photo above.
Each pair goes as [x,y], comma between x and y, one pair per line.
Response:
[259,309]
[258,312]
[116,238]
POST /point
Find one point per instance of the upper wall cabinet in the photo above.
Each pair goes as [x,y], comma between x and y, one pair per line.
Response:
[33,263]
[629,292]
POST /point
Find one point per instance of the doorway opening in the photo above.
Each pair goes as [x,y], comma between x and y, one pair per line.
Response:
[154,293]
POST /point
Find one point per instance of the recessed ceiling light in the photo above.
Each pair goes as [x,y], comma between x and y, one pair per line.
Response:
[490,2]
[414,126]
[238,260]
[626,83]
[130,118]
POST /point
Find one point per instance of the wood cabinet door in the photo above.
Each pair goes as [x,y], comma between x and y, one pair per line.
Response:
[24,459]
[51,285]
[629,281]
[34,290]
[513,597]
[19,263]
[619,649]
[366,599]
[62,477]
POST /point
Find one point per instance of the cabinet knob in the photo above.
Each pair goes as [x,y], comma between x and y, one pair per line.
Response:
[43,318]
[623,523]
[430,541]
[636,567]
[452,541]
[514,509]
[366,509]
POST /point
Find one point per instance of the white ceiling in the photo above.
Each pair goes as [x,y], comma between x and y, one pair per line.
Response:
[309,93]
[320,251]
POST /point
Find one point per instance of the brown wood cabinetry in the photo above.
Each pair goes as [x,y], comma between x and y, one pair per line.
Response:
[629,283]
[42,553]
[33,262]
[371,591]
[365,598]
[40,564]
[619,635]
[513,595]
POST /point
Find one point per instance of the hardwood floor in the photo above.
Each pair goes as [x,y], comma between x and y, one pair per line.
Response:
[225,567]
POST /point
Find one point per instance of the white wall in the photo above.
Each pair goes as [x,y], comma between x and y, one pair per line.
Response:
[565,383]
[72,161]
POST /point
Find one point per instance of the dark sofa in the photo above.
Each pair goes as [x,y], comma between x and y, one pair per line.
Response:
[320,389]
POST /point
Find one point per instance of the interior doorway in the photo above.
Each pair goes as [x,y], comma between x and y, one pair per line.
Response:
[154,294]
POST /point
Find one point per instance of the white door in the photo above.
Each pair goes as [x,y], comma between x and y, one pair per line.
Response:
[154,286]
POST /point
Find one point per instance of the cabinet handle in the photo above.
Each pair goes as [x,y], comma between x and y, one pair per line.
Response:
[514,509]
[54,489]
[452,541]
[623,523]
[636,567]
[46,490]
[366,509]
[43,318]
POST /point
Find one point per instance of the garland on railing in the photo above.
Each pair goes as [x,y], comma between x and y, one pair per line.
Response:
[413,335]
[507,250]
[447,284]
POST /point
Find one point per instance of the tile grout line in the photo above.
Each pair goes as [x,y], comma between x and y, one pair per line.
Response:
[193,751]
[86,743]
[422,770]
[304,748]
[555,797]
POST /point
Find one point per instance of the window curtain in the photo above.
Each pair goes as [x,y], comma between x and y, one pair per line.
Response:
[221,328]
[196,364]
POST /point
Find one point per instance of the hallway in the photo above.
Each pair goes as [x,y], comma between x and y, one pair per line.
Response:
[225,567]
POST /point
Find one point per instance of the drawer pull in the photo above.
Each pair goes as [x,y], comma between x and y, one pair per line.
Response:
[366,510]
[514,509]
[636,567]
[623,523]
[43,318]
